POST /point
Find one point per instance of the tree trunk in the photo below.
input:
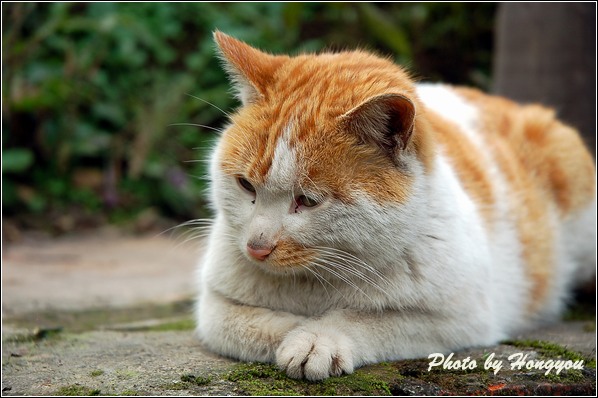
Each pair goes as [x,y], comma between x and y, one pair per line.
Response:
[546,53]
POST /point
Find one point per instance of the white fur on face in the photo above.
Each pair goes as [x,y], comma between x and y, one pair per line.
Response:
[283,172]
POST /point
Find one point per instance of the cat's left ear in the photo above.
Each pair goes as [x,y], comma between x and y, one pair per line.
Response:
[251,70]
[385,121]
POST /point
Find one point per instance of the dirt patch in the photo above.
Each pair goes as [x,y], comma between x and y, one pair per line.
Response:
[97,270]
[113,363]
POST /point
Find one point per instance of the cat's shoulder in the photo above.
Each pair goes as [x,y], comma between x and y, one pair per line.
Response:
[451,100]
[526,140]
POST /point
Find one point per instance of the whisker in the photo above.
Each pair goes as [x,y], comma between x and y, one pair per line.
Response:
[201,178]
[197,125]
[196,177]
[197,161]
[204,221]
[350,258]
[321,279]
[209,103]
[194,233]
[327,267]
[350,267]
[351,270]
[347,270]
[198,236]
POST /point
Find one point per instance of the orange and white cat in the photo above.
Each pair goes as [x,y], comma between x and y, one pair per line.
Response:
[363,218]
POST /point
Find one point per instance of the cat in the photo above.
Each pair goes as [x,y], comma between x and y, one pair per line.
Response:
[362,217]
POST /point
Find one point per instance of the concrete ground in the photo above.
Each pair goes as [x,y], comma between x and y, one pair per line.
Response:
[108,314]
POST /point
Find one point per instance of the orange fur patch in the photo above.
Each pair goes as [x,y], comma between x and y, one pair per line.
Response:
[288,253]
[468,162]
[546,165]
[547,150]
[312,93]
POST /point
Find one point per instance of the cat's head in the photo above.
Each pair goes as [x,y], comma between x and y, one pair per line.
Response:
[322,147]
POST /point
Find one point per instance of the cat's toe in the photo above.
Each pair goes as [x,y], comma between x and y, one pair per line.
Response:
[313,356]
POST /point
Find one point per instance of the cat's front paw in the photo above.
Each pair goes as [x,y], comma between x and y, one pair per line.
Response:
[314,356]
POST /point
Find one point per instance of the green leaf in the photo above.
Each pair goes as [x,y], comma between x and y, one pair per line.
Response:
[382,27]
[9,194]
[16,160]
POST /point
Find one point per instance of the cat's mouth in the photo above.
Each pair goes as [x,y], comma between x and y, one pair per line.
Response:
[288,256]
[281,257]
[322,263]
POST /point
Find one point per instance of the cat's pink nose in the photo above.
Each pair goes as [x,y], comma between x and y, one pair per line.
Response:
[259,253]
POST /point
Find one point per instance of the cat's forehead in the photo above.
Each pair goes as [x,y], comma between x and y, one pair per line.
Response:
[287,156]
[284,169]
[283,155]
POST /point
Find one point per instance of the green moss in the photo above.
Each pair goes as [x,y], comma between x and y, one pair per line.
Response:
[566,376]
[96,373]
[81,321]
[183,324]
[265,379]
[76,389]
[547,348]
[197,380]
[187,382]
[432,382]
[553,351]
[126,374]
[360,383]
[176,386]
[36,335]
[262,379]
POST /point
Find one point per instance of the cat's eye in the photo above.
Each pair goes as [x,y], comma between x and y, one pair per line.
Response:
[246,185]
[306,201]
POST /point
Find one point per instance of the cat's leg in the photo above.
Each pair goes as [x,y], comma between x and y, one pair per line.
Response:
[343,340]
[241,331]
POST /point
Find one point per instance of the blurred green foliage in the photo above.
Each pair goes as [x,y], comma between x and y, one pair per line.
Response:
[91,90]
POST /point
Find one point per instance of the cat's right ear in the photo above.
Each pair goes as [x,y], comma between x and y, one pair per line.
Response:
[385,121]
[251,70]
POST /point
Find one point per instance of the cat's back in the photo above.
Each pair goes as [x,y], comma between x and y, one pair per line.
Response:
[525,143]
[531,178]
[550,152]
